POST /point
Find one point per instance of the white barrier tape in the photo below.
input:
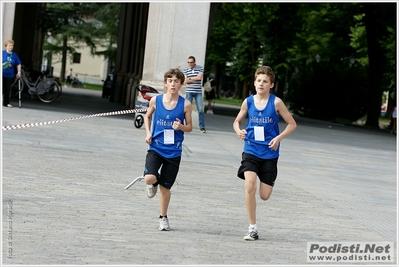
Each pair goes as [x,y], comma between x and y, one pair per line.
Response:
[26,125]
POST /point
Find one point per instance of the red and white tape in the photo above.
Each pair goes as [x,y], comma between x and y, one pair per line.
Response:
[26,125]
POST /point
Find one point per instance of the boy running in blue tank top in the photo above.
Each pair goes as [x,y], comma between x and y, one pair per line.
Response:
[167,118]
[262,139]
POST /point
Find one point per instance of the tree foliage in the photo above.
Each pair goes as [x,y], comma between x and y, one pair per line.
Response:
[348,78]
[108,14]
[73,25]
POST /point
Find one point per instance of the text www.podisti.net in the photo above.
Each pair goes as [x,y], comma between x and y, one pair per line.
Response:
[350,252]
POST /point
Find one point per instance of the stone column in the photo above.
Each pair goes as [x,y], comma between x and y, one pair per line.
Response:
[8,21]
[175,31]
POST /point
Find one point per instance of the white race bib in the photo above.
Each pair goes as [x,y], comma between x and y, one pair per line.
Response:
[169,136]
[259,133]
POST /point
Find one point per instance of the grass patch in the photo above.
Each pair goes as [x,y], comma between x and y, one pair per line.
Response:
[343,121]
[94,86]
[383,122]
[90,86]
[228,101]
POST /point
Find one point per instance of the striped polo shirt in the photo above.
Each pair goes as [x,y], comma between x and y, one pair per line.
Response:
[194,87]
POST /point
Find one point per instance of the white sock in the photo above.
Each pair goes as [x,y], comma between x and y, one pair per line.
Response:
[253,226]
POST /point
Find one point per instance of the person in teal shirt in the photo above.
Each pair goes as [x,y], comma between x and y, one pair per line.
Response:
[10,61]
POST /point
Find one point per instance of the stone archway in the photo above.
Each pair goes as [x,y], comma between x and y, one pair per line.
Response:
[19,24]
[154,37]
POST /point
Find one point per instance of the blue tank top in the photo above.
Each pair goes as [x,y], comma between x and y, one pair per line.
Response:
[14,60]
[265,123]
[166,141]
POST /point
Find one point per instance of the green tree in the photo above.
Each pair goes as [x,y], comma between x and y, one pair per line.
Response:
[380,22]
[73,24]
[340,82]
[326,84]
[245,34]
[109,14]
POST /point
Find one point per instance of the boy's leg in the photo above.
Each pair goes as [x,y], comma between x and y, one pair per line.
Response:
[164,200]
[152,186]
[267,178]
[250,191]
[169,171]
[150,179]
[249,172]
[265,191]
[152,164]
[250,202]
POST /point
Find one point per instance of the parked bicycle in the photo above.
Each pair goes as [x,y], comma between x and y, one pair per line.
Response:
[76,83]
[45,88]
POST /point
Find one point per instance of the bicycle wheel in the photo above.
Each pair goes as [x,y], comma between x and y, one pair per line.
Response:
[77,84]
[51,94]
[15,87]
[139,121]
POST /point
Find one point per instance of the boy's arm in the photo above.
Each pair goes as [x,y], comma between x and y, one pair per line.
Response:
[240,117]
[188,125]
[147,120]
[291,123]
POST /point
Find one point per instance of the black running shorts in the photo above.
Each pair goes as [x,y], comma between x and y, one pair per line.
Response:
[168,173]
[266,169]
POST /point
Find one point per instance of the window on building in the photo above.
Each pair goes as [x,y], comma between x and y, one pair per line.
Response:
[76,58]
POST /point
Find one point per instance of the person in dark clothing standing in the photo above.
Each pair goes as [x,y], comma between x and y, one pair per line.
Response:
[211,95]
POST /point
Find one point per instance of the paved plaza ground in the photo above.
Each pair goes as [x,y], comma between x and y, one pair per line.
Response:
[65,202]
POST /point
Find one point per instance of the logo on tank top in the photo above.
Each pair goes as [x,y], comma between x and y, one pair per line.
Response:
[261,120]
[165,122]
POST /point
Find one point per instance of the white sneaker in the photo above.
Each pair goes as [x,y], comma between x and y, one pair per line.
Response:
[252,235]
[209,111]
[9,106]
[151,190]
[164,224]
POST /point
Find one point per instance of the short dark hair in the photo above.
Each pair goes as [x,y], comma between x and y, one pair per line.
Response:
[266,70]
[192,57]
[174,71]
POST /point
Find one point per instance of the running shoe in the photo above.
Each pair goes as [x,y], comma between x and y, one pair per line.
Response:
[252,235]
[151,190]
[164,224]
[203,130]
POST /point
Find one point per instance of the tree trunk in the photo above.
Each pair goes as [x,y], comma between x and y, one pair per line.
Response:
[64,58]
[376,64]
